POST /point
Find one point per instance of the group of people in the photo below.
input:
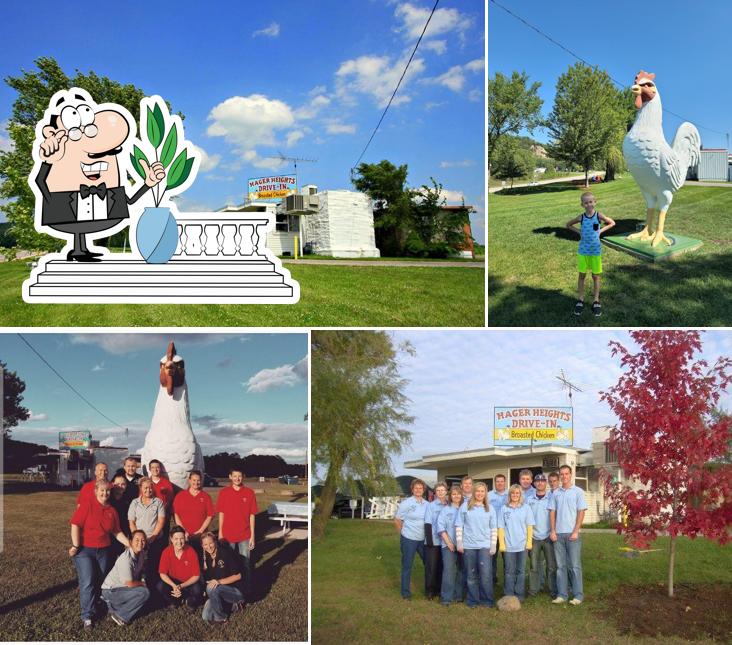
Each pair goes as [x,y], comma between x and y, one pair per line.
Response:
[128,557]
[459,534]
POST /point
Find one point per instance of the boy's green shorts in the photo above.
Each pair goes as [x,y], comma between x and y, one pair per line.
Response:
[587,263]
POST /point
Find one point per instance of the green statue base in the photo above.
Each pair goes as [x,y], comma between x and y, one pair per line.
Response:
[644,250]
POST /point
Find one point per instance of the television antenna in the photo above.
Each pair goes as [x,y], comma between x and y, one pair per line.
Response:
[294,160]
[567,385]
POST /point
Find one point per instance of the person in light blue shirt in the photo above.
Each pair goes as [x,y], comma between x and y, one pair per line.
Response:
[542,545]
[525,479]
[567,508]
[497,498]
[515,526]
[432,552]
[476,533]
[451,590]
[409,521]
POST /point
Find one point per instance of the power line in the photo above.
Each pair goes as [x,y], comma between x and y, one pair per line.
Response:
[396,89]
[71,387]
[582,60]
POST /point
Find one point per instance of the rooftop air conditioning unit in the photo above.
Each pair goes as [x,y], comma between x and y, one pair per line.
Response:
[301,204]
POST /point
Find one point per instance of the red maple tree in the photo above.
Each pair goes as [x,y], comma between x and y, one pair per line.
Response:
[670,442]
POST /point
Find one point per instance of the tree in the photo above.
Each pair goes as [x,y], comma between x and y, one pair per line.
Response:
[667,439]
[510,160]
[385,183]
[13,411]
[35,90]
[585,119]
[435,232]
[513,105]
[613,153]
[359,412]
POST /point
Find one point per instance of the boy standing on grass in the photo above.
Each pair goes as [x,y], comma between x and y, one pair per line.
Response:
[589,253]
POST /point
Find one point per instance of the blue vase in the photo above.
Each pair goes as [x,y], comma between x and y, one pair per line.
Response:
[156,235]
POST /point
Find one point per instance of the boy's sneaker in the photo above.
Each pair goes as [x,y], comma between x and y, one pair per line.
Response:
[117,619]
[575,601]
[596,309]
[88,624]
[579,307]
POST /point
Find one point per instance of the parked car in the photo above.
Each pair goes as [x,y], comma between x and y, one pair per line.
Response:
[289,479]
[210,481]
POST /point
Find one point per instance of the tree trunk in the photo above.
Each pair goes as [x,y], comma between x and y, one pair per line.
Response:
[327,501]
[587,177]
[671,559]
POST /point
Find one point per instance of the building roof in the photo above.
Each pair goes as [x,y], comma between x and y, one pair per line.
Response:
[435,461]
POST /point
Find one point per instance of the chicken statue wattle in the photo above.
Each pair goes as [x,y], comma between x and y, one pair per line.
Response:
[170,438]
[659,169]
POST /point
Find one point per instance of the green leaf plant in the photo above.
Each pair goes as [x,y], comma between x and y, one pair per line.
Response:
[166,142]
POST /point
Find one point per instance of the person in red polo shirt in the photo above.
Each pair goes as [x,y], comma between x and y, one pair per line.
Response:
[180,573]
[237,508]
[194,510]
[92,524]
[161,485]
[101,472]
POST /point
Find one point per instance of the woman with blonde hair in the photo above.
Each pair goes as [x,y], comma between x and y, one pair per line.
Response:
[147,513]
[221,574]
[515,527]
[475,532]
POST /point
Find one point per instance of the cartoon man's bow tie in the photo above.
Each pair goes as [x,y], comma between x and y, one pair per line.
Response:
[100,191]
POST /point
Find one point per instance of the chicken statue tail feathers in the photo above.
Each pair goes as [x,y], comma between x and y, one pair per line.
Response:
[686,146]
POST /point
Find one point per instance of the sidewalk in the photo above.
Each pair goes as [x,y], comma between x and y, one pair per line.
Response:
[387,263]
[544,182]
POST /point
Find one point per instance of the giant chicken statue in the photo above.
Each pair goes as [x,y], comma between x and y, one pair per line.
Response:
[170,438]
[659,169]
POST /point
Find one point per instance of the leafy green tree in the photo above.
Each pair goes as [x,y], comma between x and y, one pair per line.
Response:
[585,119]
[435,232]
[613,153]
[13,411]
[510,160]
[386,183]
[359,413]
[35,90]
[513,105]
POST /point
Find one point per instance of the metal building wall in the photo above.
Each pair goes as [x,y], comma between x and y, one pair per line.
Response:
[713,165]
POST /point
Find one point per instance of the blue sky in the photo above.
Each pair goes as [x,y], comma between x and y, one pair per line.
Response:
[309,79]
[247,392]
[684,43]
[456,378]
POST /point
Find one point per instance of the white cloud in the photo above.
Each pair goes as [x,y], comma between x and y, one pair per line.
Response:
[109,441]
[443,21]
[475,65]
[273,30]
[340,128]
[454,78]
[99,367]
[294,136]
[465,163]
[283,376]
[437,46]
[291,455]
[250,121]
[453,197]
[312,107]
[475,96]
[376,76]
[208,162]
[6,143]
[37,416]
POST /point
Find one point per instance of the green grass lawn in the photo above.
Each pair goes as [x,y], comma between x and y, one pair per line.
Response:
[39,599]
[329,296]
[356,599]
[532,276]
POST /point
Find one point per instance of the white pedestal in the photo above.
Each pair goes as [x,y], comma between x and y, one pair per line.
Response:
[128,279]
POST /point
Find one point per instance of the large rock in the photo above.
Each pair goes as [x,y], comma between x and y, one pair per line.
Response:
[509,603]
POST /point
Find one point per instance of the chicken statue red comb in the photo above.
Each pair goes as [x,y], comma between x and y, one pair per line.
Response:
[649,75]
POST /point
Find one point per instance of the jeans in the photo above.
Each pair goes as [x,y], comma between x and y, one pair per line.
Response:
[451,590]
[242,548]
[192,595]
[126,602]
[432,571]
[409,548]
[220,599]
[514,574]
[568,554]
[480,579]
[545,546]
[92,566]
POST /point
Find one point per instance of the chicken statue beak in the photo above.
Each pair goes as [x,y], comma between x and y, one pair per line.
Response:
[636,89]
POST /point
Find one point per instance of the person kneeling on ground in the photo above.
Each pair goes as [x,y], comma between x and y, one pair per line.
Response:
[123,589]
[180,573]
[221,571]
